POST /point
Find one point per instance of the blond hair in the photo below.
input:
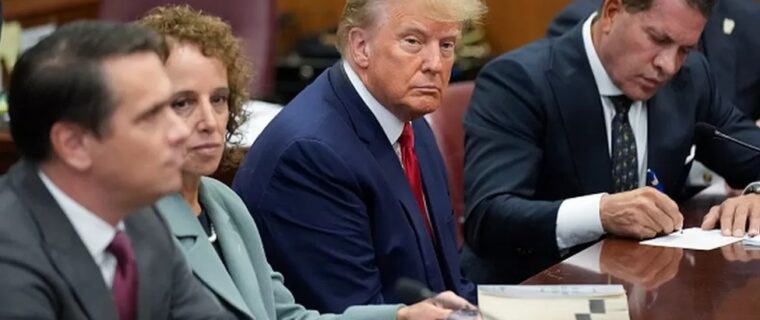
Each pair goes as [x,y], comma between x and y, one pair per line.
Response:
[364,13]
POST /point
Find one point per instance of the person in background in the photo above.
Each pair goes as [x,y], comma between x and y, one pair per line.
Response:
[210,222]
[729,42]
[592,133]
[347,184]
[79,238]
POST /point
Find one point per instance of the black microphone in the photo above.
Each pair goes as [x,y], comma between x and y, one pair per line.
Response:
[708,131]
[412,291]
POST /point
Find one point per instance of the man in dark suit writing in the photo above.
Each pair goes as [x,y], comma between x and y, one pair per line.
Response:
[729,42]
[78,240]
[346,183]
[561,136]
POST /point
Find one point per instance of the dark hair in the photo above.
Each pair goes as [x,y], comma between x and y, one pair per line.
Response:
[61,79]
[633,6]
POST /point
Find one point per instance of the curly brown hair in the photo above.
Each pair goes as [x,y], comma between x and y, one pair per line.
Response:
[183,24]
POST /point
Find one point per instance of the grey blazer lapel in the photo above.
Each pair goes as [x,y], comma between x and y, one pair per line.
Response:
[63,245]
[199,252]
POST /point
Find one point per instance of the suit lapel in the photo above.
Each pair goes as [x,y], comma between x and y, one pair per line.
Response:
[580,108]
[63,245]
[199,252]
[666,151]
[369,131]
[438,200]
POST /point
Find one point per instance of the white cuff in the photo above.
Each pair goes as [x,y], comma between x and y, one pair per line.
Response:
[578,221]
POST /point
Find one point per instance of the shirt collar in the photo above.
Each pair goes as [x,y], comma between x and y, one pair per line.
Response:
[96,233]
[392,126]
[603,82]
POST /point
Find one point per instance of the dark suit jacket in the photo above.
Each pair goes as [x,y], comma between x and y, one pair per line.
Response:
[733,58]
[335,211]
[535,135]
[46,271]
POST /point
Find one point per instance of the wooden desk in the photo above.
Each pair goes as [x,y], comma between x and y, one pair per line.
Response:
[670,283]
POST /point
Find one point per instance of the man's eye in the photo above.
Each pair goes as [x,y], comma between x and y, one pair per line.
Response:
[180,104]
[412,41]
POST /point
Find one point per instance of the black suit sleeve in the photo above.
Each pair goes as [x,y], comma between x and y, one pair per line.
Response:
[504,137]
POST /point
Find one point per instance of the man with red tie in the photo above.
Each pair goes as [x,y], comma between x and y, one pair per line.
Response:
[89,108]
[346,184]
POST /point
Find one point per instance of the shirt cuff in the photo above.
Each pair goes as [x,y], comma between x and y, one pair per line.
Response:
[578,221]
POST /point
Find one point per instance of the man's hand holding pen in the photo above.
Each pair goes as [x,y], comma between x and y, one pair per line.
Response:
[640,213]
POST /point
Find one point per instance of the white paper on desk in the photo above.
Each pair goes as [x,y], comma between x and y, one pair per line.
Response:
[693,238]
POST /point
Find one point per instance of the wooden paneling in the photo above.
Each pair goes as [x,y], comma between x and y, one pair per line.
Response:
[36,12]
[513,23]
[509,23]
[304,17]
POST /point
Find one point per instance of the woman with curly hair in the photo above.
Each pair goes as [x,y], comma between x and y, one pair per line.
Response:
[216,233]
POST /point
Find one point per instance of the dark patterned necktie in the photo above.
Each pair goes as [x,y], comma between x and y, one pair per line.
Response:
[625,165]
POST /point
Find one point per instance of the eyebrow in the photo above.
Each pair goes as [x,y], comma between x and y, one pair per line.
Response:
[668,39]
[183,93]
[414,29]
[226,90]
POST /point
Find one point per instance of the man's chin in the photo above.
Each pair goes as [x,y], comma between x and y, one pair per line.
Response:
[641,93]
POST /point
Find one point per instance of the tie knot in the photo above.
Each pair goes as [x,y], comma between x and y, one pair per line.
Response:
[622,103]
[407,136]
[121,248]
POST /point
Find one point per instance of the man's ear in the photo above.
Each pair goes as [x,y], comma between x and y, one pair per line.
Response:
[358,47]
[610,11]
[71,144]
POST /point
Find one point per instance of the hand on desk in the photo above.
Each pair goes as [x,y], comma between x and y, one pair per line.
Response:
[647,266]
[436,308]
[639,213]
[735,215]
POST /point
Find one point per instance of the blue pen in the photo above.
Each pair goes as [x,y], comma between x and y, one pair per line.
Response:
[653,181]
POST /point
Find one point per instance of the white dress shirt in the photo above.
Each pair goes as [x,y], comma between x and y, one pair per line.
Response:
[578,219]
[96,233]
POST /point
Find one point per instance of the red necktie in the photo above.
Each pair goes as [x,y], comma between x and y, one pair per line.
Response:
[412,170]
[124,287]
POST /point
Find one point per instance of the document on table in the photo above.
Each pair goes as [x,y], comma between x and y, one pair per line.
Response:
[693,238]
[553,302]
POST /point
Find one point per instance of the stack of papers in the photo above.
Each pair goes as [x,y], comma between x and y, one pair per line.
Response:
[553,302]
